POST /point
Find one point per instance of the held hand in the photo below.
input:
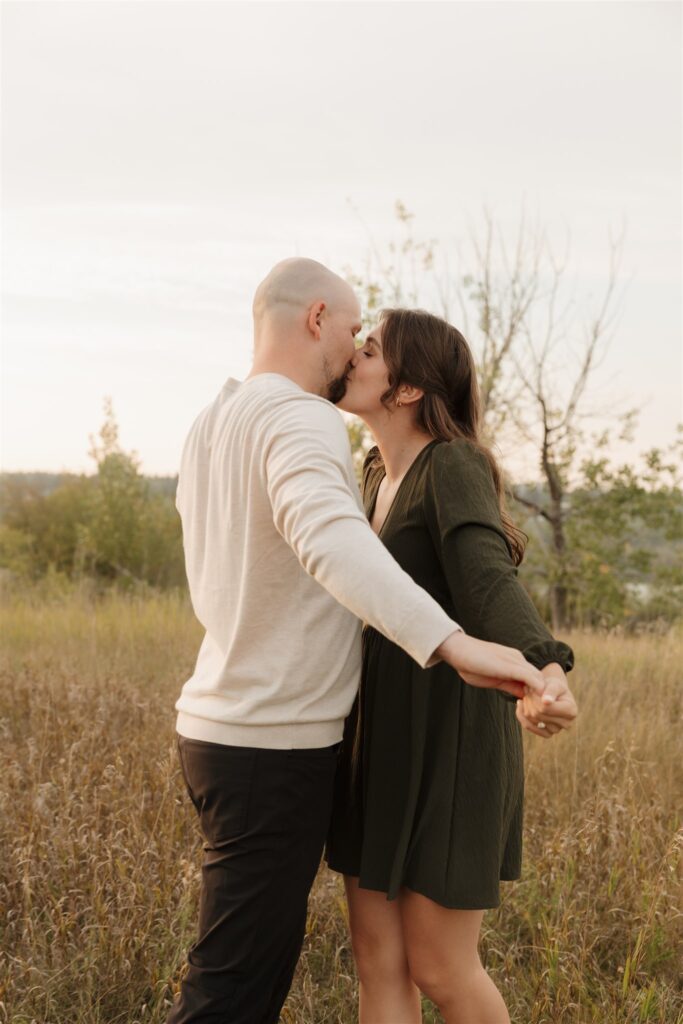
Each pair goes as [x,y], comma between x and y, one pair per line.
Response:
[485,664]
[545,720]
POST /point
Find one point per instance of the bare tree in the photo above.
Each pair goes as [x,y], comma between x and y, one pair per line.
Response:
[500,287]
[503,299]
[535,377]
[556,414]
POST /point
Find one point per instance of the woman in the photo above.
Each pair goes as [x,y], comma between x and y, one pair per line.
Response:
[428,804]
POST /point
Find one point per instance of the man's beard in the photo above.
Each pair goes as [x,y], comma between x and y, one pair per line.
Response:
[335,387]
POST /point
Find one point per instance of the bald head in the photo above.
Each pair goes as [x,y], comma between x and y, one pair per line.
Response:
[305,322]
[293,285]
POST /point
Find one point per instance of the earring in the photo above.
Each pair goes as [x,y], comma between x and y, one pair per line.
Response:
[398,401]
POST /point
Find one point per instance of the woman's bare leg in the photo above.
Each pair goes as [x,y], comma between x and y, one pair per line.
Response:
[441,946]
[387,993]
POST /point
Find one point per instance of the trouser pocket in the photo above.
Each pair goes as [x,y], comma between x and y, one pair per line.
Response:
[219,780]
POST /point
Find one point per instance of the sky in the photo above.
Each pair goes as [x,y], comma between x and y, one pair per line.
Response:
[158,158]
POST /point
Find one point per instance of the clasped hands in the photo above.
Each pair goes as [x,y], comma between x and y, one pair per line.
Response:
[534,709]
[545,704]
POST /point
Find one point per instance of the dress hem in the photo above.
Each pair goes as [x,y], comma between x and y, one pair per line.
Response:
[460,905]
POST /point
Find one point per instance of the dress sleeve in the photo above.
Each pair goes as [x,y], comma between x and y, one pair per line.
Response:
[489,601]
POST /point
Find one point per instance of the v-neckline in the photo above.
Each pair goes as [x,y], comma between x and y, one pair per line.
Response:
[405,476]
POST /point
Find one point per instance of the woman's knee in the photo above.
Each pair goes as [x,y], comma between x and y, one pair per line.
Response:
[378,961]
[441,946]
[440,980]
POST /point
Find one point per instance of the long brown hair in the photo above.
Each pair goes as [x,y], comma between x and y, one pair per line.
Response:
[429,353]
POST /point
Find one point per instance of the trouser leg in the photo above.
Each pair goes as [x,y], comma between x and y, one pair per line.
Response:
[264,815]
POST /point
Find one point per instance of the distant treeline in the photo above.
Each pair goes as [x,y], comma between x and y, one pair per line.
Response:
[45,483]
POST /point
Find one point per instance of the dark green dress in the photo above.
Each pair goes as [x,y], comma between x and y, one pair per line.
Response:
[429,789]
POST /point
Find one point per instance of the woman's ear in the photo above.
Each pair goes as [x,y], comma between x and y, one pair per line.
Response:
[407,394]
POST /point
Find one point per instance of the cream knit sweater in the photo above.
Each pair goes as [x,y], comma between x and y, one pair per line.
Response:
[283,567]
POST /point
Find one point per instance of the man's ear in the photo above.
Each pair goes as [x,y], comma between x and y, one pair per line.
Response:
[314,318]
[407,394]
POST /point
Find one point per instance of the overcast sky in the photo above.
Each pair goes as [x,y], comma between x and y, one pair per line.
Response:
[159,157]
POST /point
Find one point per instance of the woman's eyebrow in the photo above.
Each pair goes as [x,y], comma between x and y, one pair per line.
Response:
[371,341]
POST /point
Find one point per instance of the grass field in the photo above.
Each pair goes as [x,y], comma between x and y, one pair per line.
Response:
[100,851]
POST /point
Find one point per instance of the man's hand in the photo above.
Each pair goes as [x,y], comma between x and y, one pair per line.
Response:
[547,719]
[490,665]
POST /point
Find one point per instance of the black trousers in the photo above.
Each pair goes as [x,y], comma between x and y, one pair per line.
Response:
[264,815]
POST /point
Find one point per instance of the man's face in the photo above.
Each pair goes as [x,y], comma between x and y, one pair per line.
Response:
[341,327]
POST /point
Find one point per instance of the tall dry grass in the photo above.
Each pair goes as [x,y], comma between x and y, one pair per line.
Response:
[100,853]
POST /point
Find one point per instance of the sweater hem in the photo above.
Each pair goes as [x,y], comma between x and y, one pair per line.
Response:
[289,736]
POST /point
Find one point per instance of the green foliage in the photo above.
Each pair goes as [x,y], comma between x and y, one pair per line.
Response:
[42,530]
[111,526]
[626,538]
[624,531]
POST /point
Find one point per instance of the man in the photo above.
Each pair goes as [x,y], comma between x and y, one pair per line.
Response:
[283,567]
